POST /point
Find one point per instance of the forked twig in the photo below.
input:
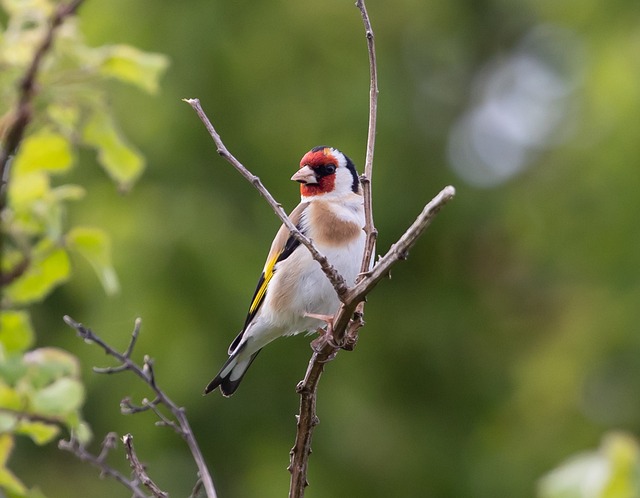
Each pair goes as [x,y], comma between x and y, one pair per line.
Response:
[73,446]
[179,423]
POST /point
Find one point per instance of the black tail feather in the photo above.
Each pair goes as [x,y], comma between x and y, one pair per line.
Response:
[228,386]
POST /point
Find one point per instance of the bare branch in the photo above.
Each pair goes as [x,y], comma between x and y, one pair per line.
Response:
[73,446]
[139,470]
[367,177]
[145,372]
[334,277]
[345,325]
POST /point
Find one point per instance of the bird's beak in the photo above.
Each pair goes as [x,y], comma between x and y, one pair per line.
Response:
[305,175]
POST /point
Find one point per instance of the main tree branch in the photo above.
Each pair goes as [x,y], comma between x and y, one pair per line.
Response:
[346,322]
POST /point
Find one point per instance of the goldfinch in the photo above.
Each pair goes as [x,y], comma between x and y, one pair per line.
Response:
[293,293]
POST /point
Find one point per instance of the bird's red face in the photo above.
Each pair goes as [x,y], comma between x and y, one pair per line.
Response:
[317,173]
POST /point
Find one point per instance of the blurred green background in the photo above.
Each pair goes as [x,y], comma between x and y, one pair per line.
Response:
[507,342]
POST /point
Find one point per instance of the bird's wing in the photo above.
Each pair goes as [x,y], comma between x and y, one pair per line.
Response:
[282,247]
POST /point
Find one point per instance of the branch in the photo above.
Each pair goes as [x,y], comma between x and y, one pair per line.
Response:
[145,372]
[334,277]
[139,470]
[33,417]
[366,178]
[27,91]
[345,325]
[109,443]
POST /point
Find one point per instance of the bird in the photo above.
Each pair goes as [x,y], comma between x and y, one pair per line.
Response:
[293,294]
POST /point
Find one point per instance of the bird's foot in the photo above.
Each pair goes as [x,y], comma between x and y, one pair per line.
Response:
[325,336]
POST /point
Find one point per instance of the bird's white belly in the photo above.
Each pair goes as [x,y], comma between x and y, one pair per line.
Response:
[309,290]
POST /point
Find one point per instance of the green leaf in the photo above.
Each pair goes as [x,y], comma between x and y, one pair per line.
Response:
[10,399]
[7,422]
[12,369]
[94,245]
[65,116]
[623,454]
[121,162]
[43,151]
[49,268]
[613,471]
[46,365]
[68,193]
[26,189]
[63,396]
[83,433]
[8,481]
[131,65]
[16,333]
[39,432]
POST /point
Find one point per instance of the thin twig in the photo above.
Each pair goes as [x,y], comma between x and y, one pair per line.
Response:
[139,470]
[332,274]
[367,177]
[145,372]
[32,417]
[74,446]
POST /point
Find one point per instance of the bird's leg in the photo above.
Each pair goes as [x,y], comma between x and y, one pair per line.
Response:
[326,336]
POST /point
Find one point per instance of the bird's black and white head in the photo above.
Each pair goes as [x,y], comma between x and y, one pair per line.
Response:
[325,171]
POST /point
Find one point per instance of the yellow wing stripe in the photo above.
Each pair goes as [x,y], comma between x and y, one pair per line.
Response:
[268,273]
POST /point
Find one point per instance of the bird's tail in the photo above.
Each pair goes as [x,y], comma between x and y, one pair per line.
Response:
[231,374]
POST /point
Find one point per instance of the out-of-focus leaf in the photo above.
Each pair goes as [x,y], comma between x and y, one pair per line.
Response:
[65,116]
[8,481]
[63,396]
[7,422]
[16,333]
[83,433]
[12,369]
[9,398]
[49,268]
[134,66]
[43,151]
[39,432]
[120,161]
[94,245]
[68,193]
[623,454]
[49,364]
[26,189]
[613,471]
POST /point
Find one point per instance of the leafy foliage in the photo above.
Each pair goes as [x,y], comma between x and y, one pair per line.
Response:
[41,392]
[611,471]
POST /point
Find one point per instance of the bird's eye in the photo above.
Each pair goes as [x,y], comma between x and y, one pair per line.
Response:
[326,169]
